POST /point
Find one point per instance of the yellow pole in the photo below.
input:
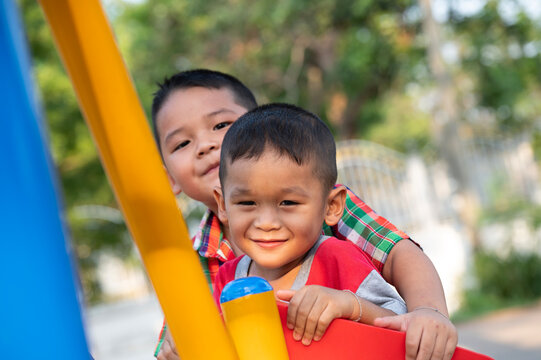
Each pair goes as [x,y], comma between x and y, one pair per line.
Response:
[130,157]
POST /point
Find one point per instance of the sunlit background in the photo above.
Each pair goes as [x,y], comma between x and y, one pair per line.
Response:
[434,104]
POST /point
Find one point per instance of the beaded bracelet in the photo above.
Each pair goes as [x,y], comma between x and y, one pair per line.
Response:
[358,302]
[430,308]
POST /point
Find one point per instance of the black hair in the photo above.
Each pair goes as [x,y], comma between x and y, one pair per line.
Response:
[209,79]
[287,129]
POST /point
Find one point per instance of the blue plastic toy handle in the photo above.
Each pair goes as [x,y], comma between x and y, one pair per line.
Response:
[244,286]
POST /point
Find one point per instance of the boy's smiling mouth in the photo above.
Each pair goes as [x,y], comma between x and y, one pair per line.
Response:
[211,168]
[269,244]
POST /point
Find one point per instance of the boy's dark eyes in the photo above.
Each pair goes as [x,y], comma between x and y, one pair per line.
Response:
[181,145]
[252,203]
[222,125]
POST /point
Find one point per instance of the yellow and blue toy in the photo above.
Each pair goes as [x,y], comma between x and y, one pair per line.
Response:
[252,319]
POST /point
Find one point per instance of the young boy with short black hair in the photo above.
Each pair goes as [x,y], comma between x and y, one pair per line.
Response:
[191,113]
[278,175]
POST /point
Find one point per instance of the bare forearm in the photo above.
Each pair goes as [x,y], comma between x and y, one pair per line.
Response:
[371,311]
[415,277]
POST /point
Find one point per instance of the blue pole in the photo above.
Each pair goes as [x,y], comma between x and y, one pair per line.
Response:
[40,313]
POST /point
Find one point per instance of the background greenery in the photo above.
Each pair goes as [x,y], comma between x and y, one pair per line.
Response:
[362,65]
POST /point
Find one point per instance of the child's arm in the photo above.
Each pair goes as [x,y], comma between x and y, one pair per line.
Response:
[404,265]
[429,333]
[312,308]
[414,276]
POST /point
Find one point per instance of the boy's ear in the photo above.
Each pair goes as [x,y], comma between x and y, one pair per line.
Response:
[174,185]
[220,200]
[335,205]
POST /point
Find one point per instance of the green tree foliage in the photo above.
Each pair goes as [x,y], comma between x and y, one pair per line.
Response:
[501,51]
[337,58]
[71,144]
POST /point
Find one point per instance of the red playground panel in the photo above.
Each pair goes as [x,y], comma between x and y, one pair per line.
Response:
[346,340]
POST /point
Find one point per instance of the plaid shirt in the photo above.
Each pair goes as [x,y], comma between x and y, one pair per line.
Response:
[212,247]
[374,234]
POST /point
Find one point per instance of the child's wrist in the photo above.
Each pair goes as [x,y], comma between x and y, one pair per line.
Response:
[430,308]
[354,312]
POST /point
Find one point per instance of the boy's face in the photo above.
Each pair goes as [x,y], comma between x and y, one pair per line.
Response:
[191,126]
[274,209]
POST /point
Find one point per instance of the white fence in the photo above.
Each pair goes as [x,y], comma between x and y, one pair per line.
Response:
[410,193]
[501,165]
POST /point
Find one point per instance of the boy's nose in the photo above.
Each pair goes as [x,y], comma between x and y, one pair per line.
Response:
[206,147]
[267,220]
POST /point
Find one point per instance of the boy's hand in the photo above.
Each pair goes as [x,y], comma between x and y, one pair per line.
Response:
[168,350]
[312,308]
[429,335]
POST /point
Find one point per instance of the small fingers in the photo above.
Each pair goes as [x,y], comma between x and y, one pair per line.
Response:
[439,338]
[292,308]
[168,350]
[429,334]
[395,322]
[451,344]
[285,295]
[313,321]
[427,343]
[438,351]
[324,321]
[302,310]
[413,339]
[167,353]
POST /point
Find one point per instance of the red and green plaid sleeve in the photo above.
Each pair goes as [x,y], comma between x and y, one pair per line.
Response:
[371,232]
[160,339]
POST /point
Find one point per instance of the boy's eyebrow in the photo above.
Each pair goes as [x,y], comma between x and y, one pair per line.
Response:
[238,191]
[296,190]
[218,112]
[172,133]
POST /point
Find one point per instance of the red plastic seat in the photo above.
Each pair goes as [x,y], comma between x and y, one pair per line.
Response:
[345,340]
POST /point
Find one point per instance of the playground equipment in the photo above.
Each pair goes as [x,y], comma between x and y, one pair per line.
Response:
[40,311]
[39,305]
[111,107]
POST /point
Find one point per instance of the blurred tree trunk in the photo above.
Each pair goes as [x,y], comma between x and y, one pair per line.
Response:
[446,115]
[348,124]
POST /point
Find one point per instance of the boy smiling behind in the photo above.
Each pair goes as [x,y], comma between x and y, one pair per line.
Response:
[191,112]
[277,171]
